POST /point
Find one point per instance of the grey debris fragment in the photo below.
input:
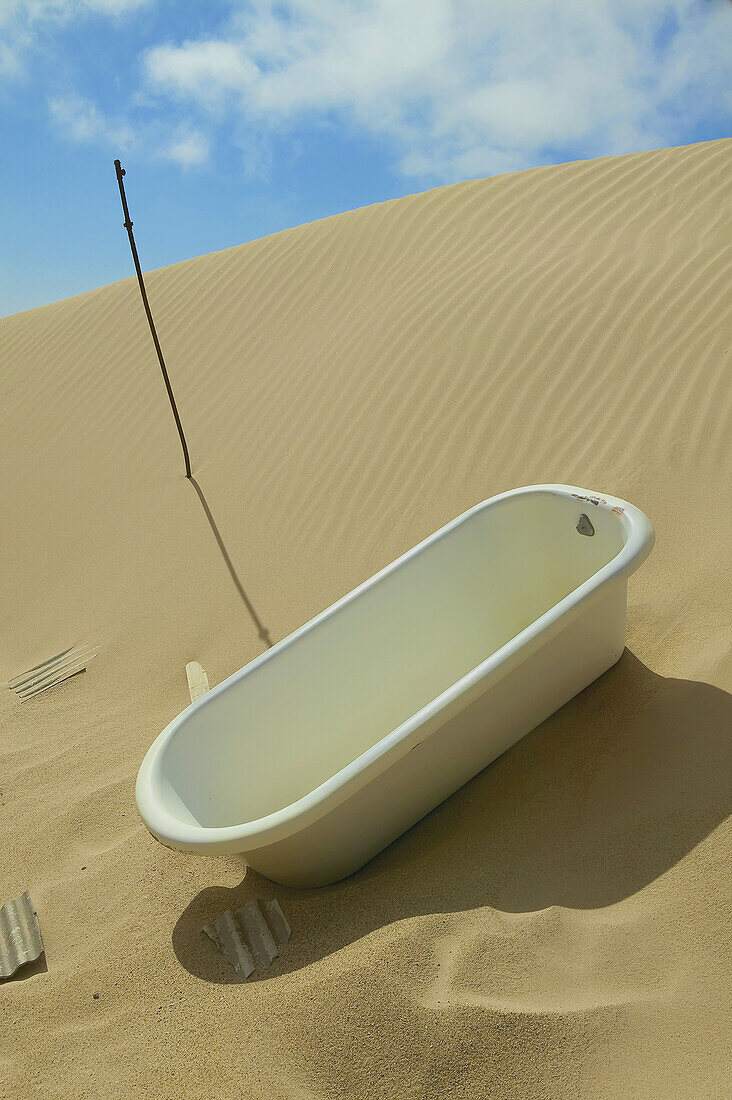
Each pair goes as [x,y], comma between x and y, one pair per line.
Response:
[277,921]
[264,947]
[20,935]
[227,937]
[248,937]
[53,671]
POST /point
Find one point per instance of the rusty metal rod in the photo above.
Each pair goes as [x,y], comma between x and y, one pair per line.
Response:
[128,226]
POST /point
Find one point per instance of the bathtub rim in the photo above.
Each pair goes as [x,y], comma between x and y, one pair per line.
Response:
[248,836]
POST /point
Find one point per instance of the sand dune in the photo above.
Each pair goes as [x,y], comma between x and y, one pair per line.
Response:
[559,927]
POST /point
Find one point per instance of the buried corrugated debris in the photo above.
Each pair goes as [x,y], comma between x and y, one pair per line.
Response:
[53,671]
[20,935]
[249,937]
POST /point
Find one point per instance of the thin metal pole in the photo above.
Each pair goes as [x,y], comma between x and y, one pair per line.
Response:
[128,226]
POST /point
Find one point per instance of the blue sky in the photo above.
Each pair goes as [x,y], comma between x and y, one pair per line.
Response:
[236,119]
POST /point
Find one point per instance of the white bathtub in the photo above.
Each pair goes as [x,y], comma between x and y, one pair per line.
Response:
[320,752]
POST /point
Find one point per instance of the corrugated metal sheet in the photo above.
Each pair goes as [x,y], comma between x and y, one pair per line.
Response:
[20,935]
[249,937]
[53,671]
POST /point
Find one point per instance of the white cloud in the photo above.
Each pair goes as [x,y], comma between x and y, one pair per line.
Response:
[79,120]
[21,21]
[206,71]
[33,11]
[111,7]
[463,87]
[189,148]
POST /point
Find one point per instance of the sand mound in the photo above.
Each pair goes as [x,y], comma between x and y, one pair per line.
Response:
[558,927]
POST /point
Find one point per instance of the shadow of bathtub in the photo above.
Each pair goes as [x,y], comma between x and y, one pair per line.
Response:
[594,804]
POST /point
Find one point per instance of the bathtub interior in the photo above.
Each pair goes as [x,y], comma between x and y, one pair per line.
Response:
[302,715]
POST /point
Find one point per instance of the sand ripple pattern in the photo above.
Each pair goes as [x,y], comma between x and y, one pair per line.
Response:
[559,927]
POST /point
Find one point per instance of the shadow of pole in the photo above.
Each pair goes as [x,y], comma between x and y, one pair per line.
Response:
[591,807]
[261,628]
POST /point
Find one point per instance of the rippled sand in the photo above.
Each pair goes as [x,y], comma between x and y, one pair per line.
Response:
[557,928]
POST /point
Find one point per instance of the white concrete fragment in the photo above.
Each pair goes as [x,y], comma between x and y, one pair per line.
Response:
[20,935]
[197,680]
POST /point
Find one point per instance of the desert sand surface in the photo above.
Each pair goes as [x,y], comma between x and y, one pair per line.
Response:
[560,926]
